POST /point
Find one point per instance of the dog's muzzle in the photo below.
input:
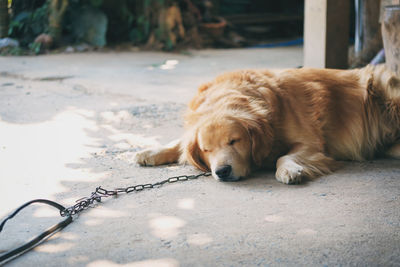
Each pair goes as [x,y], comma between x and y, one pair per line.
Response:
[224,174]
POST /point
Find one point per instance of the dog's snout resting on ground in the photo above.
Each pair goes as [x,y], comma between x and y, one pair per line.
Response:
[299,121]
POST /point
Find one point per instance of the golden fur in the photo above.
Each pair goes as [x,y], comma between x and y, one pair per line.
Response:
[300,121]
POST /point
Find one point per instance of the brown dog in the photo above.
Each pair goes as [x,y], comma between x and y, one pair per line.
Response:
[302,120]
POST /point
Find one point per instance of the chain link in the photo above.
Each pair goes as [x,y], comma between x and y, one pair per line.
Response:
[100,193]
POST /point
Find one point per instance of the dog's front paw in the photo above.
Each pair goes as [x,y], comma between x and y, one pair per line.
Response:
[289,173]
[146,157]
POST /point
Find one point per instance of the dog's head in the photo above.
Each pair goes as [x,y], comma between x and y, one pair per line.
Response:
[228,146]
[229,124]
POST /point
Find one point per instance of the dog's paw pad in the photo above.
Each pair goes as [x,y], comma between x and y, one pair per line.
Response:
[145,158]
[290,173]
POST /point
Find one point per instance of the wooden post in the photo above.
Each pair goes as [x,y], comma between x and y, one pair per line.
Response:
[326,33]
[3,18]
[390,34]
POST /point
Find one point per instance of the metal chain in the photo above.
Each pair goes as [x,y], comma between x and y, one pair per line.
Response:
[99,193]
[81,204]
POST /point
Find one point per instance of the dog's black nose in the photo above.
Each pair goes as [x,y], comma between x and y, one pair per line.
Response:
[224,172]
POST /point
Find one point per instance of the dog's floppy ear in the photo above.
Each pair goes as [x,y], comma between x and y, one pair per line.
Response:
[261,142]
[191,151]
[260,134]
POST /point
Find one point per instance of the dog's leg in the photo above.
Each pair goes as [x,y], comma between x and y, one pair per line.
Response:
[288,171]
[303,162]
[159,156]
[394,151]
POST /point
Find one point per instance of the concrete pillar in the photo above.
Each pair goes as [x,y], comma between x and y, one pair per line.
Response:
[326,33]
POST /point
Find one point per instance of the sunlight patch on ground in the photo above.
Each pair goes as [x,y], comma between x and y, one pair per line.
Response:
[98,215]
[38,159]
[274,218]
[93,222]
[186,204]
[199,239]
[77,260]
[134,139]
[54,248]
[166,226]
[102,212]
[69,236]
[307,231]
[34,156]
[110,120]
[169,64]
[46,212]
[147,263]
[115,117]
[122,146]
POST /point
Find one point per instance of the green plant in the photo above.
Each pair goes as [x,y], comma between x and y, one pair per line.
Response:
[35,48]
[27,25]
[96,3]
[14,51]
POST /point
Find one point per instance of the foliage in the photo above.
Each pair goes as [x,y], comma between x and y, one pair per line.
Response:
[27,25]
[136,21]
[35,48]
[96,3]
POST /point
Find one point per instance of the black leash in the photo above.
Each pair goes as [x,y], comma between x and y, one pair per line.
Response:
[81,204]
[38,239]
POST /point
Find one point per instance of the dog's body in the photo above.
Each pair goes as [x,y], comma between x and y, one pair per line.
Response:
[302,120]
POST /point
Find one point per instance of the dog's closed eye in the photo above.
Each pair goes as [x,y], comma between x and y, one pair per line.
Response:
[233,141]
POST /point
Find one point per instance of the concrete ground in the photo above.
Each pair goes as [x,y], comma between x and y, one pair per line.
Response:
[69,123]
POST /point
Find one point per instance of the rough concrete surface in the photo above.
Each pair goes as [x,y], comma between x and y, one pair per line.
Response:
[69,123]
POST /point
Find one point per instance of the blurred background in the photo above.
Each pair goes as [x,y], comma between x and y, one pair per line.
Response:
[43,26]
[151,24]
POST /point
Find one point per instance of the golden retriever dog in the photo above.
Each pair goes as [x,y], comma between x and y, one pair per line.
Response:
[300,121]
